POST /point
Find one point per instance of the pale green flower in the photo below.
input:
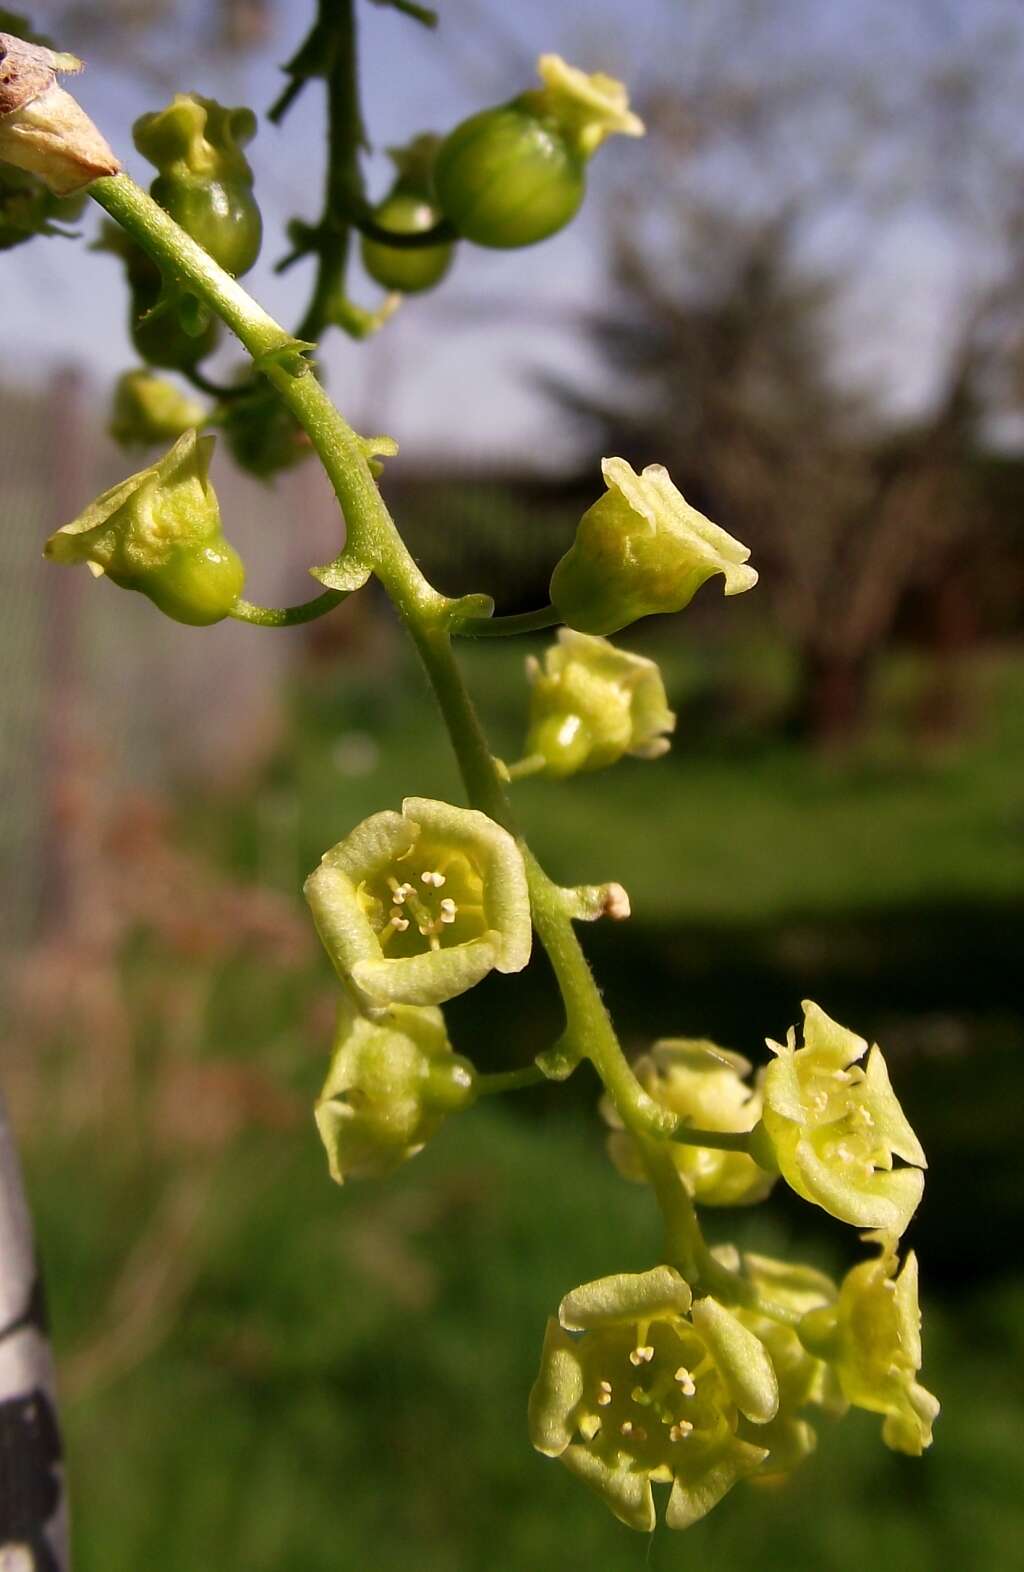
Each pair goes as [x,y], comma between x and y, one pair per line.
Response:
[159,532]
[835,1127]
[706,1086]
[588,106]
[642,549]
[390,1084]
[652,1391]
[591,703]
[416,907]
[873,1337]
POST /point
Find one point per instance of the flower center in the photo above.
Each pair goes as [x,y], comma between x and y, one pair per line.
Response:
[650,1393]
[430,899]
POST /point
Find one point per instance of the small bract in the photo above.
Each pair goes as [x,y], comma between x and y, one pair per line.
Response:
[390,1085]
[642,549]
[148,409]
[416,907]
[835,1127]
[873,1337]
[590,704]
[159,532]
[651,1392]
[706,1086]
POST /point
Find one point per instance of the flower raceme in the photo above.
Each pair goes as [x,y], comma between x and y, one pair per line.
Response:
[389,1086]
[641,549]
[872,1335]
[159,532]
[706,1086]
[590,704]
[640,1384]
[416,907]
[834,1127]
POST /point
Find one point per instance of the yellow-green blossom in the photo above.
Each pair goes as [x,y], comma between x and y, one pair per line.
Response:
[706,1086]
[390,1084]
[651,1391]
[159,532]
[588,106]
[416,907]
[591,703]
[872,1336]
[835,1126]
[642,549]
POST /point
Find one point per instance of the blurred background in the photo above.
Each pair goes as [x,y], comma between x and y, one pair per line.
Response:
[804,295]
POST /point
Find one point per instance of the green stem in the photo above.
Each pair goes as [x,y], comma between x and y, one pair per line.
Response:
[684,1242]
[508,1080]
[721,1140]
[287,616]
[505,627]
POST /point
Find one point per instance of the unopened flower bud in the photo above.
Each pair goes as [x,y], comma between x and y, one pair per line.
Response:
[43,130]
[707,1087]
[416,907]
[590,704]
[149,409]
[159,532]
[205,181]
[642,549]
[514,175]
[835,1127]
[409,209]
[653,1390]
[390,1085]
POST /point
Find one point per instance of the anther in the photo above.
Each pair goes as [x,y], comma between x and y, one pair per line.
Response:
[604,1393]
[680,1431]
[642,1355]
[686,1381]
[431,876]
[628,1428]
[399,922]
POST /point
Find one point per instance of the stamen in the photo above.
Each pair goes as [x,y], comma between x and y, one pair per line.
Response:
[686,1381]
[628,1428]
[680,1431]
[604,1393]
[642,1355]
[431,876]
[399,922]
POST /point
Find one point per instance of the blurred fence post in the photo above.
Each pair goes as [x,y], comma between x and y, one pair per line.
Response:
[33,1508]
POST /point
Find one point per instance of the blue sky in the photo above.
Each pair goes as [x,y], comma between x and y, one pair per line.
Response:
[454,370]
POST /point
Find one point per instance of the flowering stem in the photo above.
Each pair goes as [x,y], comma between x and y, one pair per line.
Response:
[287,616]
[684,1242]
[505,627]
[373,541]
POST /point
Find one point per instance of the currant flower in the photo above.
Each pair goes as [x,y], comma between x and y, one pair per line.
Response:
[389,1086]
[159,532]
[590,704]
[835,1127]
[805,1381]
[416,907]
[640,549]
[872,1335]
[706,1086]
[652,1391]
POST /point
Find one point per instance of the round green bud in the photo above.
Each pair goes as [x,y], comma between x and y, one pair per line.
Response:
[159,532]
[514,175]
[263,435]
[507,177]
[149,409]
[591,703]
[205,182]
[408,270]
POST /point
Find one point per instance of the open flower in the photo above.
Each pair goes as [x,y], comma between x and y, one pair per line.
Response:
[416,907]
[872,1335]
[805,1381]
[591,703]
[389,1086]
[705,1085]
[835,1127]
[642,549]
[588,106]
[159,532]
[651,1391]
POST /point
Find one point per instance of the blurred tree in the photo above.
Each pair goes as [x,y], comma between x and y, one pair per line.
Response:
[729,304]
